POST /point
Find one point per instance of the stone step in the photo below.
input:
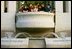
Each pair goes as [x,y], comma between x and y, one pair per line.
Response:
[37,43]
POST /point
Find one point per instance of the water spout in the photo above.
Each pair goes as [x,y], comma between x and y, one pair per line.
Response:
[55,35]
[23,33]
[45,35]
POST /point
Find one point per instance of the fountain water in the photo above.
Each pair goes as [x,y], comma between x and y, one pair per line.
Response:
[50,35]
[23,33]
[9,35]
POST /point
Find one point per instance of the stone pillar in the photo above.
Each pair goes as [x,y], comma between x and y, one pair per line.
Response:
[63,20]
[8,19]
[2,6]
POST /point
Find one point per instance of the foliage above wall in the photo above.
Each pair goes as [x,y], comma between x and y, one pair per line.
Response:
[26,3]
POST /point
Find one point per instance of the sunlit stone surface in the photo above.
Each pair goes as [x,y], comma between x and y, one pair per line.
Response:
[14,43]
[35,19]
